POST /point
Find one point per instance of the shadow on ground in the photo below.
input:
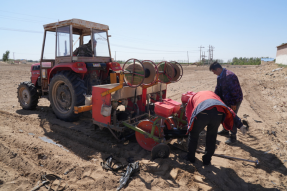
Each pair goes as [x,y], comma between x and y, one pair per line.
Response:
[87,142]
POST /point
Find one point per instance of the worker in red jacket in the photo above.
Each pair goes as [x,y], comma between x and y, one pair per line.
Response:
[205,108]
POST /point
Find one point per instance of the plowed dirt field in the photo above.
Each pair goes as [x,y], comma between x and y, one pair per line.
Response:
[33,143]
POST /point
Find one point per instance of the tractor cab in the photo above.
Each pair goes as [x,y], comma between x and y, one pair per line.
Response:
[75,56]
[74,45]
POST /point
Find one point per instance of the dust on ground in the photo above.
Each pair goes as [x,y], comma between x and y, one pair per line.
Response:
[36,142]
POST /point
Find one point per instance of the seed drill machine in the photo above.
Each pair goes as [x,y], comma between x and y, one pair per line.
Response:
[128,99]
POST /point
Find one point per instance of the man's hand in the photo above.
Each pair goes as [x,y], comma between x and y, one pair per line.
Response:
[243,129]
[233,107]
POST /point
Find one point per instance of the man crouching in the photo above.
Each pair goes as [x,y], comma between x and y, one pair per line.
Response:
[205,108]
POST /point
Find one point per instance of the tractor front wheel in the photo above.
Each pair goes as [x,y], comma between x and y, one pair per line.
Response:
[66,90]
[27,95]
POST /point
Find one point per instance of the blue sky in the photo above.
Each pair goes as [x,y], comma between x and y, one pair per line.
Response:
[154,30]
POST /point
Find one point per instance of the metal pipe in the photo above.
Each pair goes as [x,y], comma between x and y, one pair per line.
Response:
[115,117]
[147,99]
[224,156]
[113,133]
[160,94]
[131,119]
[135,128]
[218,155]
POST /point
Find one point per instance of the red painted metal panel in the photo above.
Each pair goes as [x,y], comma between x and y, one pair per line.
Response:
[115,66]
[173,103]
[98,101]
[163,109]
[34,74]
[143,101]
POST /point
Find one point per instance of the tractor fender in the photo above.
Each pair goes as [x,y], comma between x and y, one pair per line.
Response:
[35,73]
[114,66]
[77,67]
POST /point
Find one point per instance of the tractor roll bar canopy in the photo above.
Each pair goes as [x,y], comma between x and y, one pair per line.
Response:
[82,28]
[77,24]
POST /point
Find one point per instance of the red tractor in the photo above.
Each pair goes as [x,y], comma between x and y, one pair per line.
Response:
[63,77]
[128,100]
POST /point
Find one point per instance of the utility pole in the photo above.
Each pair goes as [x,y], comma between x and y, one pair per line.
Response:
[200,52]
[115,55]
[203,56]
[14,57]
[210,54]
[187,58]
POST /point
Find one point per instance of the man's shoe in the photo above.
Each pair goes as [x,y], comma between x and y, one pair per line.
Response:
[188,159]
[231,140]
[223,132]
[205,161]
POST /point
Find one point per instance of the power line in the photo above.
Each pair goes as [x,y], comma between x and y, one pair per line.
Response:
[30,53]
[20,30]
[145,49]
[152,53]
[21,19]
[131,39]
[28,15]
[158,51]
[167,51]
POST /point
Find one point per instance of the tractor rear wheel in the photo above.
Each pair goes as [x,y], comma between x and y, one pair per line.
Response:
[66,90]
[27,95]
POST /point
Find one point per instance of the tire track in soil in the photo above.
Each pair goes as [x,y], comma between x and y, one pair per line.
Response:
[186,90]
[271,174]
[270,163]
[75,140]
[88,149]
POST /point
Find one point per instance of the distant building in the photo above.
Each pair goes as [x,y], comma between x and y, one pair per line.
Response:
[23,61]
[267,60]
[281,55]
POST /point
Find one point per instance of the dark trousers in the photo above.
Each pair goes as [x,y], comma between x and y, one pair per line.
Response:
[234,129]
[212,119]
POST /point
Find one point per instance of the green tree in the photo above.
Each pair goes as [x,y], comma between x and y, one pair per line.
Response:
[6,56]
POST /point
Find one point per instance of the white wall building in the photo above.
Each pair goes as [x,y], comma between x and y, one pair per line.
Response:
[281,55]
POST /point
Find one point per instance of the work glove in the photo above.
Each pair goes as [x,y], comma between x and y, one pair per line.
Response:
[233,107]
[243,129]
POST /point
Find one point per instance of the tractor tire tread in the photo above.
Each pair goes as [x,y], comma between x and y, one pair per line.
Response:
[33,95]
[79,88]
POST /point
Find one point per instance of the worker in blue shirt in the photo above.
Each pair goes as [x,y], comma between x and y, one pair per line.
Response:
[229,90]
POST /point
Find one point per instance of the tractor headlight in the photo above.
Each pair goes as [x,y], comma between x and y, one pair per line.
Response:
[44,73]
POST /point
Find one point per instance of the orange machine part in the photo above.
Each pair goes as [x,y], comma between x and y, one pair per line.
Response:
[144,141]
[168,123]
[146,125]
